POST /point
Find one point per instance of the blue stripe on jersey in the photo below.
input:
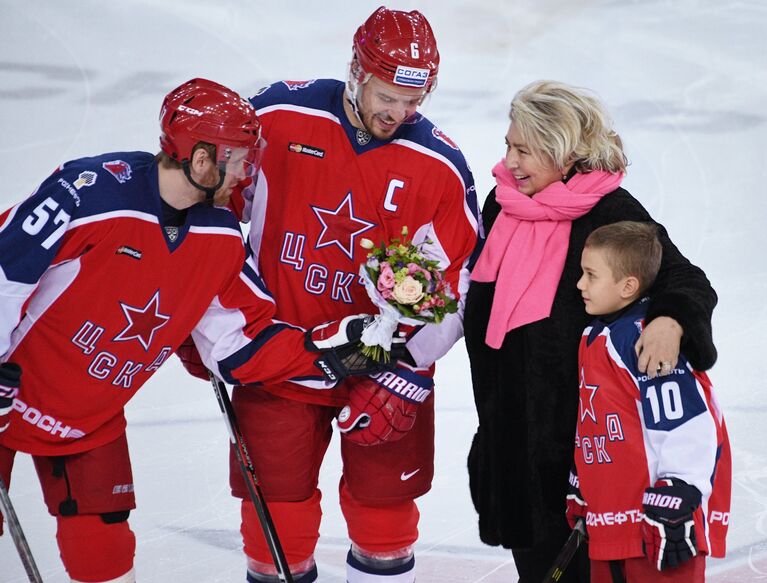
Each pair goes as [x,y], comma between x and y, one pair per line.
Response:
[201,215]
[316,94]
[716,463]
[250,271]
[245,353]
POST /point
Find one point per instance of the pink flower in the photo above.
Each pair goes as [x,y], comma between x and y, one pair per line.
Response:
[385,278]
[413,268]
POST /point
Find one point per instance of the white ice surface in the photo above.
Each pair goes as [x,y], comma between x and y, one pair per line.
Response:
[686,81]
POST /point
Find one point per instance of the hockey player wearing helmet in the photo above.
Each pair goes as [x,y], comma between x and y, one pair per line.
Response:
[106,268]
[394,67]
[211,129]
[348,160]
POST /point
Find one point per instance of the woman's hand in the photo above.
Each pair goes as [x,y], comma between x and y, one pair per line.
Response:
[658,346]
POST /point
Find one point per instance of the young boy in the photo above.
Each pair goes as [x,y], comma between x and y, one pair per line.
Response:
[652,461]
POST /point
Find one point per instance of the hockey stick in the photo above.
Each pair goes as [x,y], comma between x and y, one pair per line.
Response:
[251,481]
[18,535]
[577,535]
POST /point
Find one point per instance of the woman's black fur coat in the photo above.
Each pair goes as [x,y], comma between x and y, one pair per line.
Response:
[526,392]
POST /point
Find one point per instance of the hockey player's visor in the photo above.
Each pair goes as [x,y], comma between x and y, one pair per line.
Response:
[244,164]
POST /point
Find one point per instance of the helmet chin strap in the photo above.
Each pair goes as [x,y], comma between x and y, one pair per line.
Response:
[210,191]
[351,93]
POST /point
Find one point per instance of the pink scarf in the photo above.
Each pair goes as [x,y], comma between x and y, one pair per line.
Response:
[526,248]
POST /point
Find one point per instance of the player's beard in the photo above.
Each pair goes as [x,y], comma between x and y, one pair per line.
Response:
[377,129]
[222,196]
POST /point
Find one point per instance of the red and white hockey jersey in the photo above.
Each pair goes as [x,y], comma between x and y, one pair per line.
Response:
[95,295]
[326,185]
[633,430]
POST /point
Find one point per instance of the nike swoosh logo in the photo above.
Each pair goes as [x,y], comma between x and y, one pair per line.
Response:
[405,476]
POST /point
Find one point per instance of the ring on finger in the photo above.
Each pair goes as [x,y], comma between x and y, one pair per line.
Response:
[664,366]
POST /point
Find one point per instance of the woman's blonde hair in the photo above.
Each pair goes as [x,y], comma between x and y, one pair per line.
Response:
[568,125]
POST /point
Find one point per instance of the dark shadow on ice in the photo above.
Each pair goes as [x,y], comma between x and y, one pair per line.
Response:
[136,84]
[227,539]
[49,72]
[37,81]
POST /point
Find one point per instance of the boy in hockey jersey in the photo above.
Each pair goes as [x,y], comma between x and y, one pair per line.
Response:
[651,476]
[104,270]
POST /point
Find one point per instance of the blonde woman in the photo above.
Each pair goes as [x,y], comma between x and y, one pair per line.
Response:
[559,180]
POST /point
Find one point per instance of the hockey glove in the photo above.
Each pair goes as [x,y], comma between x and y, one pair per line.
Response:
[339,343]
[190,358]
[668,529]
[576,505]
[399,349]
[10,381]
[383,407]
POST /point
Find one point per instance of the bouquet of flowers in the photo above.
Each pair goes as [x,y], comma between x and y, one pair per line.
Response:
[406,287]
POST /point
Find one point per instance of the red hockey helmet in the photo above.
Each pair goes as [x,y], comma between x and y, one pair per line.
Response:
[204,111]
[398,47]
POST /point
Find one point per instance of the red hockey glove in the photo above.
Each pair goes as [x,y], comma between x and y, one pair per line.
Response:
[190,358]
[668,529]
[10,381]
[383,407]
[576,505]
[339,343]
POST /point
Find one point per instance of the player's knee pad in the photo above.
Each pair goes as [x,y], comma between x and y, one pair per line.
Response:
[96,550]
[396,566]
[298,527]
[380,529]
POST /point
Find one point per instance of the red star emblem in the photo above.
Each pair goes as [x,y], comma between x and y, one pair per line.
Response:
[340,226]
[142,322]
[588,410]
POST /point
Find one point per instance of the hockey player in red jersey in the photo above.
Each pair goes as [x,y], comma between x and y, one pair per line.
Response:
[347,161]
[104,270]
[662,440]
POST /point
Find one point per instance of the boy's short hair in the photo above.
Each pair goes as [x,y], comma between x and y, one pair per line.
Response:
[631,249]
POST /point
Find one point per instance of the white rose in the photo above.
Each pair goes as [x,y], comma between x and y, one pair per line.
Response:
[409,291]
